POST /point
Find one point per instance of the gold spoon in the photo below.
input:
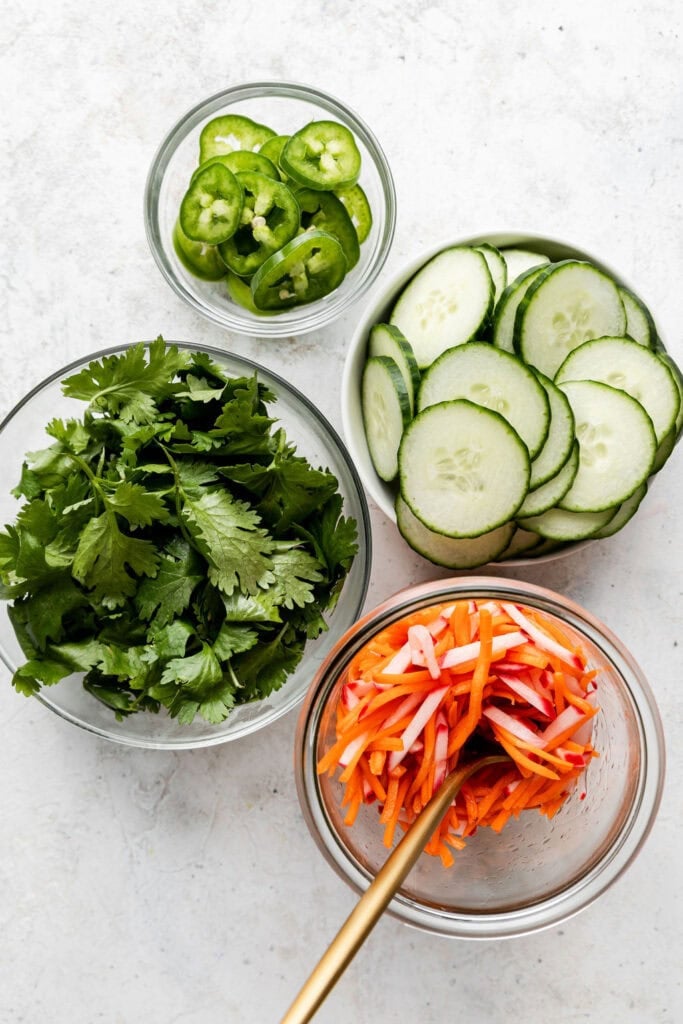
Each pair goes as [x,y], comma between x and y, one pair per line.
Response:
[378,895]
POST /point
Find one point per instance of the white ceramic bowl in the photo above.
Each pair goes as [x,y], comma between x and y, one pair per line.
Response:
[378,311]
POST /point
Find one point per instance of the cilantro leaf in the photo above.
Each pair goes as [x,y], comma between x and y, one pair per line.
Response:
[233,639]
[136,504]
[265,668]
[168,593]
[229,536]
[127,385]
[296,571]
[104,556]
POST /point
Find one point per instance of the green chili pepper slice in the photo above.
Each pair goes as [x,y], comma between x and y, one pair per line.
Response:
[200,259]
[358,209]
[242,160]
[229,132]
[240,293]
[270,217]
[324,211]
[307,268]
[322,155]
[272,148]
[212,206]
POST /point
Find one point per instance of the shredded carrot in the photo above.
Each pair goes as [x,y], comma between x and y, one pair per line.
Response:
[396,739]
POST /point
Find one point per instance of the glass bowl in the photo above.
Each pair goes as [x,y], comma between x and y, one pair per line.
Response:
[286,107]
[314,437]
[379,309]
[536,872]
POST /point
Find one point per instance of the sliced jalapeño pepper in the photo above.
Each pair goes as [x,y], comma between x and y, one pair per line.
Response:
[212,206]
[322,155]
[200,259]
[270,217]
[308,267]
[240,292]
[242,160]
[324,211]
[229,132]
[272,148]
[358,209]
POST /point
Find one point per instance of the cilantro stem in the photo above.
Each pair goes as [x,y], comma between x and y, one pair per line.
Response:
[178,490]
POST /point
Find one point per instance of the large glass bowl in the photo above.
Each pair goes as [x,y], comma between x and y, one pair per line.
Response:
[536,872]
[314,437]
[379,309]
[286,107]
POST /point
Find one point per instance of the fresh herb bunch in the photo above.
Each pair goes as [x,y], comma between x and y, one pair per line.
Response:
[172,546]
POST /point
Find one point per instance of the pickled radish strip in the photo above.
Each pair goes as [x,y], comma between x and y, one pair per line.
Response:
[445,684]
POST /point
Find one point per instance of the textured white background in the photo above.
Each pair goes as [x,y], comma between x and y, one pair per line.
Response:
[184,889]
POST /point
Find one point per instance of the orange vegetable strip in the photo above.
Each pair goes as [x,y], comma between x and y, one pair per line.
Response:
[372,780]
[377,761]
[385,743]
[522,760]
[392,819]
[337,749]
[467,724]
[460,623]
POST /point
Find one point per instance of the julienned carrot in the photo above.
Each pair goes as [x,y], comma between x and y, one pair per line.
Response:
[399,733]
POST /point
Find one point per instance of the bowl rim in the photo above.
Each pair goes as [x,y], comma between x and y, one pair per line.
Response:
[381,297]
[364,535]
[304,318]
[560,905]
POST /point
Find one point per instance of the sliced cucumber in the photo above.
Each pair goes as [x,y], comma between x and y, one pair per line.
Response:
[558,524]
[617,446]
[497,268]
[386,412]
[451,552]
[678,381]
[549,494]
[506,309]
[521,543]
[463,470]
[558,443]
[626,511]
[518,261]
[664,450]
[446,303]
[494,379]
[387,340]
[571,303]
[624,364]
[639,323]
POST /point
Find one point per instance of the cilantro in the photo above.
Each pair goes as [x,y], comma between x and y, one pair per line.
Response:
[172,548]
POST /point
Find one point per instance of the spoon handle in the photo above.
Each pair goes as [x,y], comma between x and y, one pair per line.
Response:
[378,895]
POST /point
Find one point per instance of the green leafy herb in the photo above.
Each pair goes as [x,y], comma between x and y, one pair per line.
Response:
[172,546]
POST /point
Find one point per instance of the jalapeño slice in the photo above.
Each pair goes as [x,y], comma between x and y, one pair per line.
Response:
[242,160]
[322,155]
[324,211]
[307,268]
[211,208]
[270,217]
[229,132]
[272,148]
[200,259]
[358,209]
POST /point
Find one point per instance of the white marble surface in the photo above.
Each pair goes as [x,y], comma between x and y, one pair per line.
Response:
[184,888]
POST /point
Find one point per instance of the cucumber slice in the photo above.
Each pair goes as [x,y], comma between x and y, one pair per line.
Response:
[558,524]
[386,413]
[463,470]
[626,511]
[549,494]
[451,552]
[624,364]
[494,379]
[518,261]
[569,304]
[447,302]
[558,444]
[387,340]
[497,268]
[639,322]
[506,310]
[617,446]
[521,543]
[678,381]
[664,450]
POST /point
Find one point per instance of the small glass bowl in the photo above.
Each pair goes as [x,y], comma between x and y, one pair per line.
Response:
[379,309]
[536,872]
[286,107]
[24,430]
